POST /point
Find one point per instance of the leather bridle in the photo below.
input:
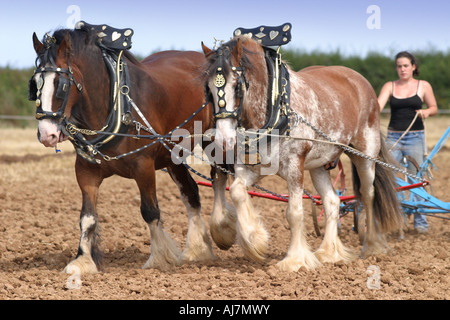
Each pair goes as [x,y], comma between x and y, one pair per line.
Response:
[220,83]
[63,88]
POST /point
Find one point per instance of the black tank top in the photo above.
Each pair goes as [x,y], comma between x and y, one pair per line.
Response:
[403,112]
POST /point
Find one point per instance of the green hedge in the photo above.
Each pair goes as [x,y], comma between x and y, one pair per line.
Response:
[14,92]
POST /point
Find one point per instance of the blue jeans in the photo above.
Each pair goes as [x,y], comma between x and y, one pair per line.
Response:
[413,145]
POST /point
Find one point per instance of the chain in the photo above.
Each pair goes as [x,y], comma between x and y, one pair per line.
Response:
[354,151]
[160,138]
[228,172]
[72,129]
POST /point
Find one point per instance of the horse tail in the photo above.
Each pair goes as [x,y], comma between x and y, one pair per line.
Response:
[387,211]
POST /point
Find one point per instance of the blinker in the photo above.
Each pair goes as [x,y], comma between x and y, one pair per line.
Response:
[63,85]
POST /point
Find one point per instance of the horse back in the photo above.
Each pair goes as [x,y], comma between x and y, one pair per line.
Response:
[182,62]
[176,88]
[338,78]
[340,102]
[340,90]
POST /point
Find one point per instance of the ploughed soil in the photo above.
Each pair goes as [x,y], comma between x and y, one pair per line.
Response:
[40,205]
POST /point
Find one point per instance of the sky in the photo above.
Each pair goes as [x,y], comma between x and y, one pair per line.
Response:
[354,27]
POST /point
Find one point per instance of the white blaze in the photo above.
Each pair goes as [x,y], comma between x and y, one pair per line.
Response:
[48,130]
[226,128]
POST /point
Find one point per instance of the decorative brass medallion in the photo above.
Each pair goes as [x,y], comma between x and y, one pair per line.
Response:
[219,81]
[260,35]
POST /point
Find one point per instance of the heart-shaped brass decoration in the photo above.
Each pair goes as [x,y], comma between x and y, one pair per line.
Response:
[273,34]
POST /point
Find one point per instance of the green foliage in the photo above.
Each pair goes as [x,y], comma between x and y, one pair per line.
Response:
[14,93]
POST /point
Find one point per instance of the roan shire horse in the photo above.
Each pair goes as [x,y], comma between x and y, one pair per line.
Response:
[88,88]
[326,103]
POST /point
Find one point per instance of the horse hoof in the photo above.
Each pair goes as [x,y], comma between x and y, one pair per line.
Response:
[81,265]
[338,253]
[223,229]
[190,255]
[257,248]
[373,251]
[289,266]
[162,263]
[224,238]
[293,264]
[254,251]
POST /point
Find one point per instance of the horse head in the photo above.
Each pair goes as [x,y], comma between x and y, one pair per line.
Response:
[233,69]
[56,86]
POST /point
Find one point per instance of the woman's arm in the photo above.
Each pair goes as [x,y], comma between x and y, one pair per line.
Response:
[385,93]
[430,101]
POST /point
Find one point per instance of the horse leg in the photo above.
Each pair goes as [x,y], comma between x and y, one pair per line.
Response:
[164,250]
[252,236]
[331,248]
[223,217]
[88,259]
[299,253]
[198,243]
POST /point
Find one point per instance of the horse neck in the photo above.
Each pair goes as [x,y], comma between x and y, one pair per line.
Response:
[95,102]
[254,108]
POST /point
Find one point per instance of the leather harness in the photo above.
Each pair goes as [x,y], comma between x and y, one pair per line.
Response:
[278,108]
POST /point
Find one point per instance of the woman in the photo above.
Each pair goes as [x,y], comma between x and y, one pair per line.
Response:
[406,97]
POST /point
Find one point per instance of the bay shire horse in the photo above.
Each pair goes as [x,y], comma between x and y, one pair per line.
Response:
[88,88]
[325,103]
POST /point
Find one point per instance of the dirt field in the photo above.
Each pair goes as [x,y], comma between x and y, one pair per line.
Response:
[39,215]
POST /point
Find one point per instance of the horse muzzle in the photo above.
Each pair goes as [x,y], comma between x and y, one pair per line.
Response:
[50,134]
[225,137]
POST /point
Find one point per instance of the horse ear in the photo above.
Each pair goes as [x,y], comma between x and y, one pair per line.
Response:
[38,46]
[65,46]
[237,51]
[207,51]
